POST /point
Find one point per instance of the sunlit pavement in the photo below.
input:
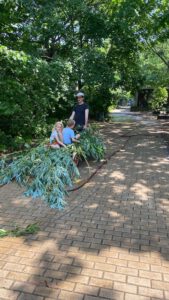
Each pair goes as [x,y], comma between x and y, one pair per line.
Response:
[112,239]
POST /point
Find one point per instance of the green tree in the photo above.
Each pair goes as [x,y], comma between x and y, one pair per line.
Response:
[50,49]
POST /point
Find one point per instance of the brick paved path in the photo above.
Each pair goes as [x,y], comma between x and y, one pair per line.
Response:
[112,240]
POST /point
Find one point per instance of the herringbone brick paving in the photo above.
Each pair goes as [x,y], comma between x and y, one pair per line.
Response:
[112,240]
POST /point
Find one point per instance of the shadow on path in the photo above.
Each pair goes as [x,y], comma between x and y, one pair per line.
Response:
[115,230]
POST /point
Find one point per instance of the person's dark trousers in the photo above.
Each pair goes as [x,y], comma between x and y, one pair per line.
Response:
[79,128]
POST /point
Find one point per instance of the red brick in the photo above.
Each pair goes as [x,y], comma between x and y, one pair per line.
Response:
[150,260]
[13,259]
[111,294]
[70,269]
[69,295]
[125,287]
[8,294]
[115,276]
[139,265]
[23,287]
[127,271]
[14,267]
[25,296]
[160,269]
[65,285]
[78,278]
[93,298]
[160,285]
[136,297]
[139,281]
[86,289]
[25,254]
[107,253]
[151,292]
[84,263]
[166,295]
[101,282]
[166,277]
[105,267]
[150,275]
[18,276]
[55,274]
[45,291]
[64,260]
[117,262]
[51,265]
[95,258]
[92,273]
[5,283]
[128,257]
[34,270]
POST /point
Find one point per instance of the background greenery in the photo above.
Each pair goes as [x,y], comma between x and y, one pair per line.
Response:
[52,48]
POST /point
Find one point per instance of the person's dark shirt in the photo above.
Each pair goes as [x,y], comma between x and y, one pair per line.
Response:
[79,110]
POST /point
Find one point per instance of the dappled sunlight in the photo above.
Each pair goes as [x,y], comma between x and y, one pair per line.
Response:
[92,206]
[117,175]
[114,214]
[138,162]
[114,226]
[140,189]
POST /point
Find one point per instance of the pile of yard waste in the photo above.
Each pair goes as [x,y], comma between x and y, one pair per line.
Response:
[46,173]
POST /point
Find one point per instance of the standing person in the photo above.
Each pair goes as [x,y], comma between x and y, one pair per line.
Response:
[80,112]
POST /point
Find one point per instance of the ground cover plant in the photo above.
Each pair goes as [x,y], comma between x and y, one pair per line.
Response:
[46,173]
[30,229]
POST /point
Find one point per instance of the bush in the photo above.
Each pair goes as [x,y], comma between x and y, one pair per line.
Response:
[30,88]
[159,98]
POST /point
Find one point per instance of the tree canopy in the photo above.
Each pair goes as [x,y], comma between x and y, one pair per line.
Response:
[50,49]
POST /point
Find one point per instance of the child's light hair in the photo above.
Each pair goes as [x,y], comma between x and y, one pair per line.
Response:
[70,123]
[56,124]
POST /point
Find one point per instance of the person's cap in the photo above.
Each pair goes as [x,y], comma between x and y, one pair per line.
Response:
[80,94]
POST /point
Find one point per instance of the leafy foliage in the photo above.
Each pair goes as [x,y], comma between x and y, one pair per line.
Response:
[30,229]
[91,145]
[159,98]
[46,172]
[28,89]
[50,49]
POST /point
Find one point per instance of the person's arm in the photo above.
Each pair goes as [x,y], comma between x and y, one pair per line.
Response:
[74,140]
[72,115]
[86,117]
[59,142]
[52,137]
[73,137]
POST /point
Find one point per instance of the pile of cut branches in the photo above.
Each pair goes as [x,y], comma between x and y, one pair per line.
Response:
[91,144]
[46,172]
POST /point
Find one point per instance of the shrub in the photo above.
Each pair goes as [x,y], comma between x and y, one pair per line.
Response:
[159,98]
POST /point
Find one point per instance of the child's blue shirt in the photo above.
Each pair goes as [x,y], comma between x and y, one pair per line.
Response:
[68,134]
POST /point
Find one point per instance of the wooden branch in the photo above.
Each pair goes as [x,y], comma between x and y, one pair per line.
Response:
[158,54]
